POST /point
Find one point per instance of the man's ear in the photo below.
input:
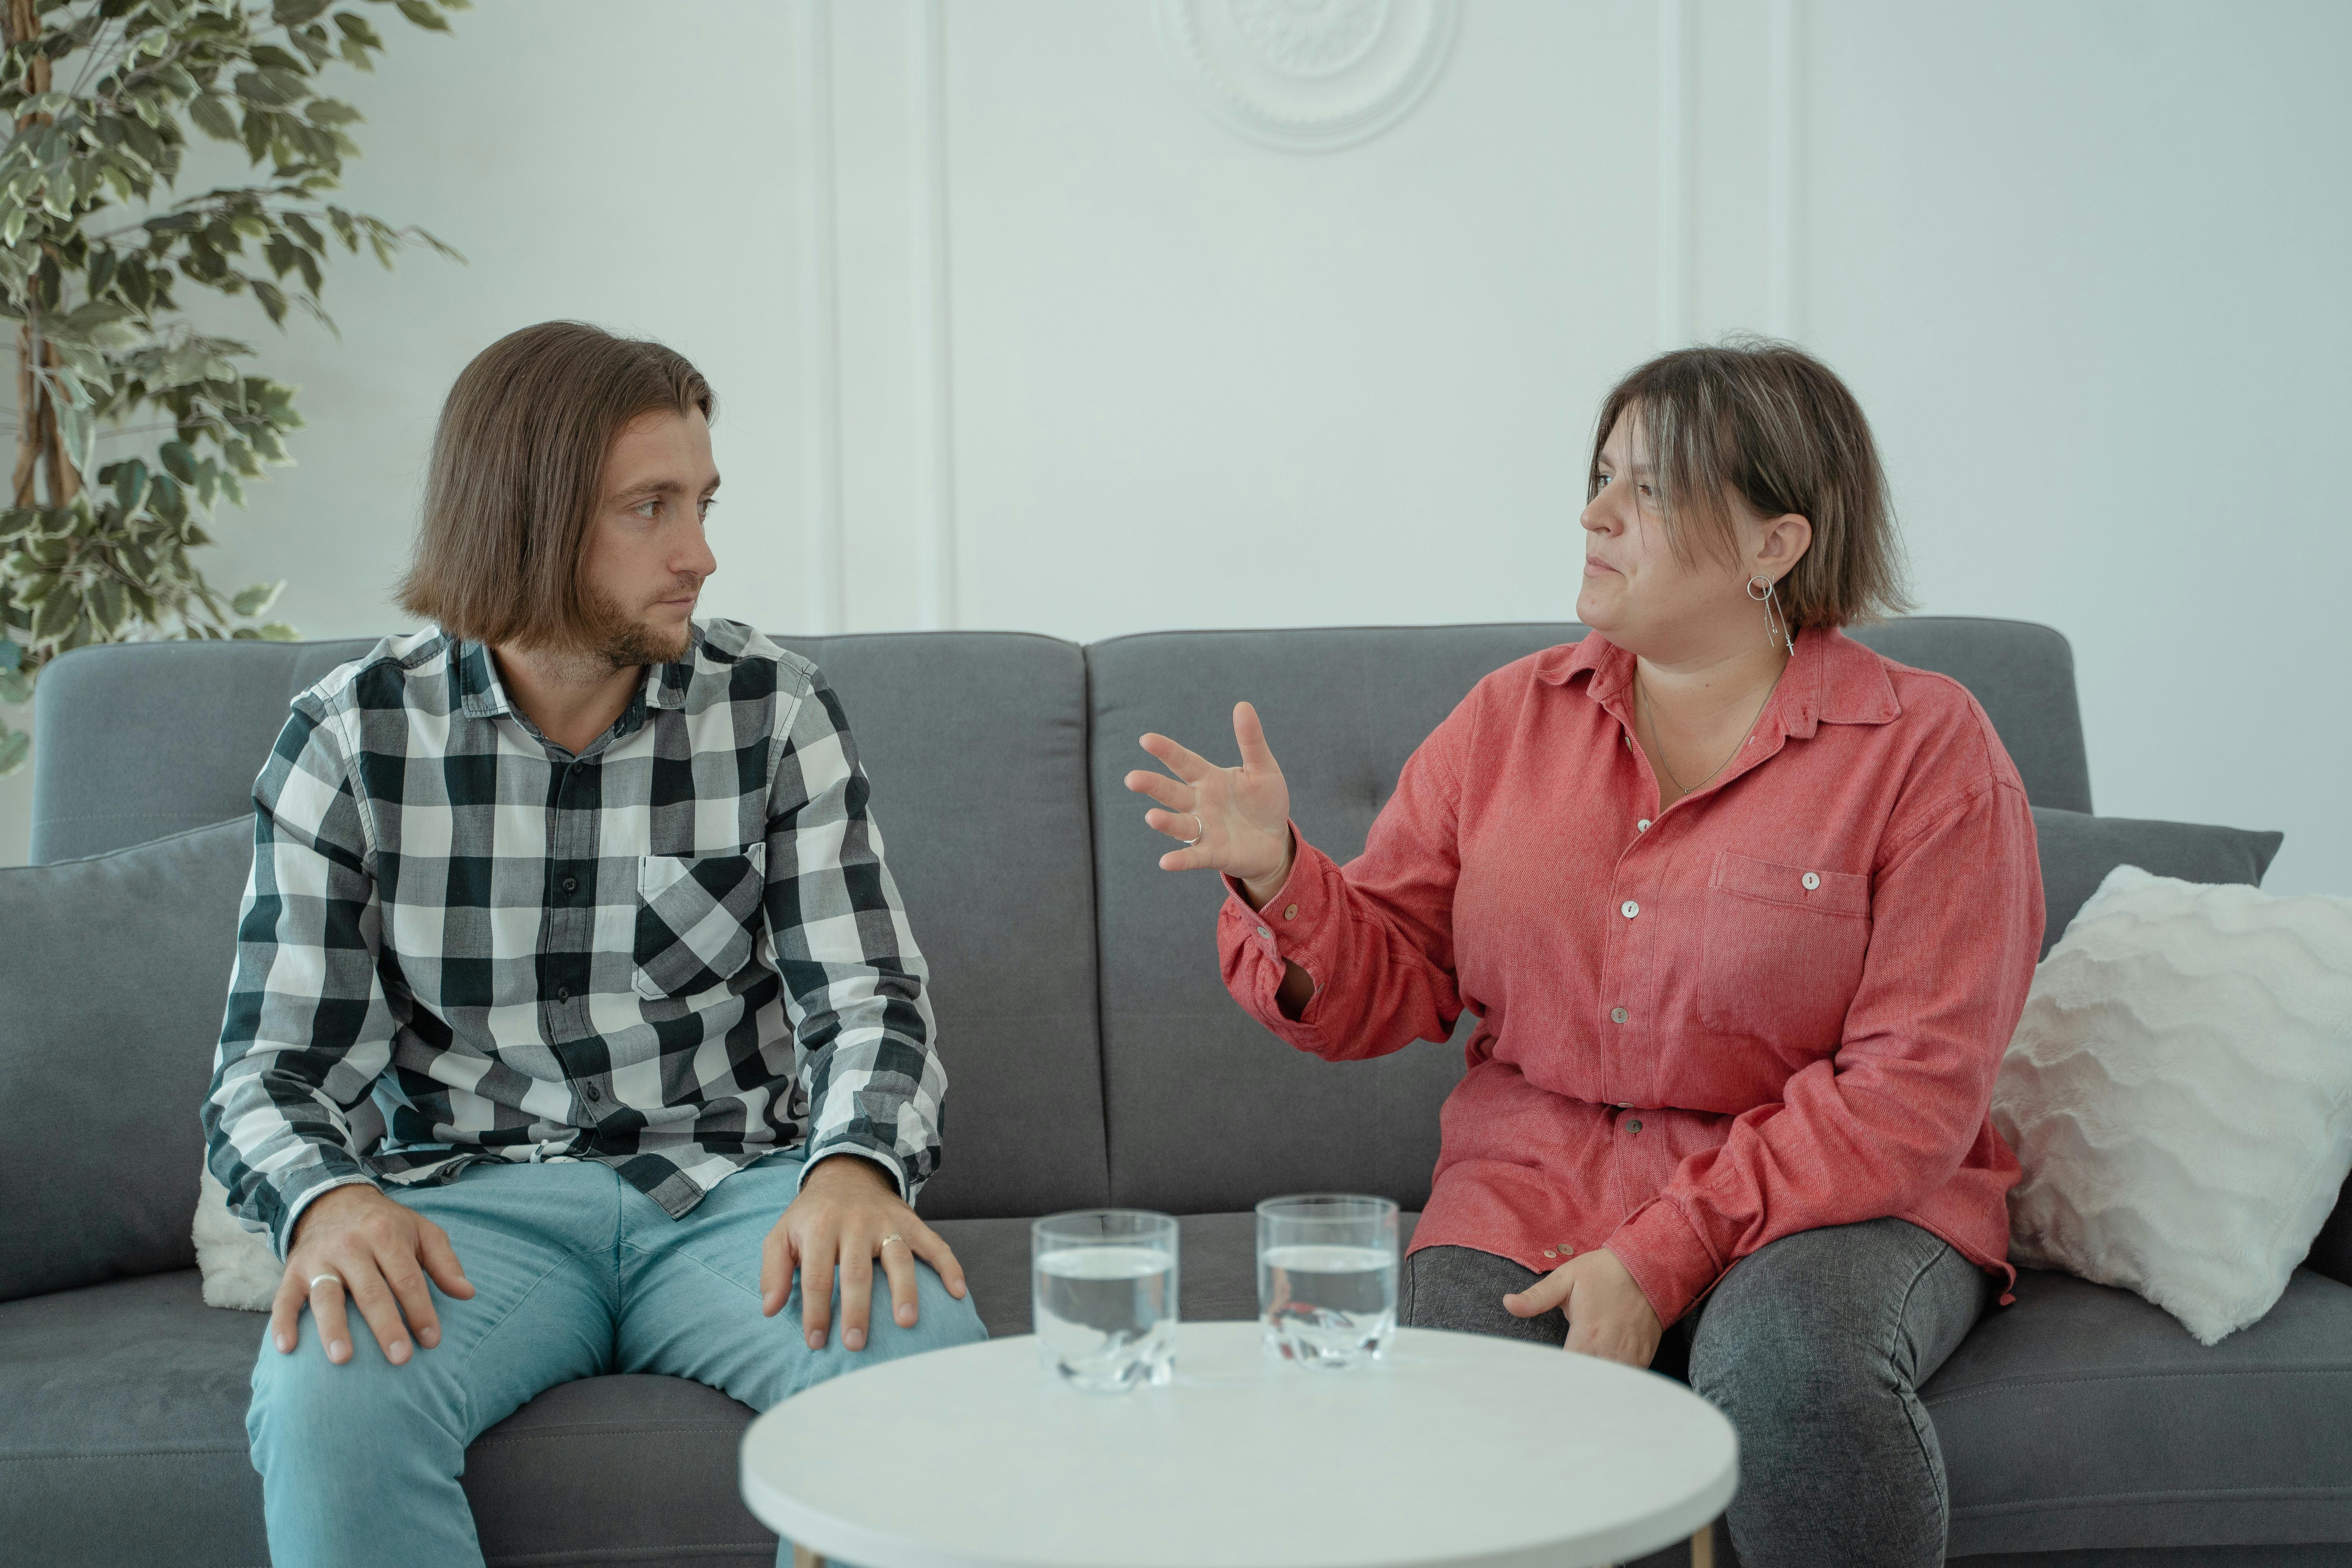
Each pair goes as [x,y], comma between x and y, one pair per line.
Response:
[1786,539]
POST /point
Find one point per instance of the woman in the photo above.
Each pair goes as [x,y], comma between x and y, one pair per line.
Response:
[1748,913]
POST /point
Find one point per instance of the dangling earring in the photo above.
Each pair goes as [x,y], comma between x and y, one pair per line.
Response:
[1778,634]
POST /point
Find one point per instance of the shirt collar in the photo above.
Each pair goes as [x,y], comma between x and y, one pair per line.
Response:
[1831,679]
[479,693]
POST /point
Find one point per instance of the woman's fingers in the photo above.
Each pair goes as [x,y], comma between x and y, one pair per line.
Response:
[1250,735]
[1542,1296]
[1168,792]
[1186,764]
[1183,825]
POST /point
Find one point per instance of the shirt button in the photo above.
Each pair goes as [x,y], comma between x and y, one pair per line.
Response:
[563,994]
[595,1093]
[1629,909]
[1616,1015]
[1633,1127]
[1643,826]
[1811,881]
[570,884]
[1265,934]
[1550,1253]
[1566,1250]
[1291,912]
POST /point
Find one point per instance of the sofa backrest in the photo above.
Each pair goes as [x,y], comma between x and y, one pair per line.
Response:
[996,760]
[1206,1110]
[975,743]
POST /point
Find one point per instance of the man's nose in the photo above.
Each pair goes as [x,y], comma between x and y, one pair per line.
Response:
[699,560]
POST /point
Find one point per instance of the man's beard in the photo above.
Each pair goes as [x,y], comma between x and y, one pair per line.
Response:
[622,640]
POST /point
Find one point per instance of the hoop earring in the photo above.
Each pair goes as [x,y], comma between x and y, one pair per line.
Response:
[1776,621]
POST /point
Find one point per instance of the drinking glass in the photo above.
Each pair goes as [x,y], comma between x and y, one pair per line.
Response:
[1105,1297]
[1326,1277]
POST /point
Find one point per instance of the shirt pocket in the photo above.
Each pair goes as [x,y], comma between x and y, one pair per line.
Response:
[1782,949]
[698,918]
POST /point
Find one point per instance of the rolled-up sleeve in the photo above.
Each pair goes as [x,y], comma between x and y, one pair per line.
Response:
[856,989]
[1957,915]
[307,1031]
[1376,937]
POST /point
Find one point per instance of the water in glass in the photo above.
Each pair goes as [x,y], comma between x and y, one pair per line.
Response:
[1105,1305]
[1327,1278]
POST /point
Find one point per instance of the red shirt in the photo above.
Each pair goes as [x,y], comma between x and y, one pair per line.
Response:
[1779,1005]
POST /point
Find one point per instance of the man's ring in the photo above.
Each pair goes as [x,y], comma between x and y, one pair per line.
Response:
[886,1240]
[316,1277]
[1204,826]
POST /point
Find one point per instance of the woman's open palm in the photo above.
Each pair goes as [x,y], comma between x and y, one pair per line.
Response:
[1237,818]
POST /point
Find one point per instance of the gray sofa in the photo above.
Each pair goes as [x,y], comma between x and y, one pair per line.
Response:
[1096,1059]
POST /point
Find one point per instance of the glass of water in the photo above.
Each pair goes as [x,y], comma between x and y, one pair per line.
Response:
[1326,1277]
[1105,1297]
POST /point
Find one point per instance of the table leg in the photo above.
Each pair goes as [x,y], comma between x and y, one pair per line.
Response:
[1702,1547]
[804,1558]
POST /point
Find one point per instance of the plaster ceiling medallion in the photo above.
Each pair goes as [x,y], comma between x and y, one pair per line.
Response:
[1308,76]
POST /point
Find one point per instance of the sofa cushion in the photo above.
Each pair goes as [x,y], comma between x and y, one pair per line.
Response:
[112,981]
[2082,1418]
[2078,851]
[122,1440]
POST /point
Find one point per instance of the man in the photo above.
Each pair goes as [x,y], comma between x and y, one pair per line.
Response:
[569,980]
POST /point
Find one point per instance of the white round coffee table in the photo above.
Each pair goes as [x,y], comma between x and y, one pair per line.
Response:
[1455,1449]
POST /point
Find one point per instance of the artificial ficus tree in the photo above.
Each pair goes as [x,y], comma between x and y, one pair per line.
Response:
[95,545]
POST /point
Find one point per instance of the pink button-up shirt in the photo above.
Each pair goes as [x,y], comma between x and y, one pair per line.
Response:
[1777,1005]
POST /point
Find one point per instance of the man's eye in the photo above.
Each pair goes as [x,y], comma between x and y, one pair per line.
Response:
[648,510]
[708,502]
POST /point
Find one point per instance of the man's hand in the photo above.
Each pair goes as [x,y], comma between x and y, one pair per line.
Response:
[848,1214]
[381,1252]
[1608,1316]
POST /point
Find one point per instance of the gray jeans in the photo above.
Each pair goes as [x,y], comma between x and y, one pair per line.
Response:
[1815,1346]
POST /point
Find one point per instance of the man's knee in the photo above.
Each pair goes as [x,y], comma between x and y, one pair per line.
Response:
[308,1409]
[941,1321]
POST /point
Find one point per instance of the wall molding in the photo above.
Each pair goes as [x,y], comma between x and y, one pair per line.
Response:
[1783,194]
[1675,90]
[935,522]
[828,587]
[1307,79]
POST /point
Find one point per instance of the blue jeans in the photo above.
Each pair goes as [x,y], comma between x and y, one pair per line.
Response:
[576,1274]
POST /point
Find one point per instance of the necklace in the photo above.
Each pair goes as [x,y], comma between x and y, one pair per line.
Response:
[1643,709]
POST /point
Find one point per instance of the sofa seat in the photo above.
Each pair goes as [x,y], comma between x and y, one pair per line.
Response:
[122,1427]
[2084,1418]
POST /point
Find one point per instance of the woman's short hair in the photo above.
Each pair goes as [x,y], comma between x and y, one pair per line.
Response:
[516,471]
[1769,423]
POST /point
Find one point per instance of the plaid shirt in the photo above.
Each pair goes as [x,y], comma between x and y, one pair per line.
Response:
[675,952]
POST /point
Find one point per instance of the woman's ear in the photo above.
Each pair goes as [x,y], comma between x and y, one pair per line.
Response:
[1784,543]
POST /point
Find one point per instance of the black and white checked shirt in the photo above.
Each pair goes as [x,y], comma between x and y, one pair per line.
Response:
[677,952]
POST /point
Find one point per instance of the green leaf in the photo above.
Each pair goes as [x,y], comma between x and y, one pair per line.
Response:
[179,461]
[257,599]
[14,686]
[59,609]
[12,656]
[213,117]
[270,89]
[16,745]
[108,606]
[330,112]
[279,631]
[422,14]
[294,12]
[130,484]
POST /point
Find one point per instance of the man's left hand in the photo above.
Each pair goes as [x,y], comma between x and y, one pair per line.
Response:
[847,1214]
[1608,1316]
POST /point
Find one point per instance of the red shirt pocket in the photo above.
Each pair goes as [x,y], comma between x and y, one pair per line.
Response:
[1782,953]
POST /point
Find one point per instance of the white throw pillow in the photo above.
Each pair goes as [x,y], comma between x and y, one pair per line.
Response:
[238,1268]
[2180,1094]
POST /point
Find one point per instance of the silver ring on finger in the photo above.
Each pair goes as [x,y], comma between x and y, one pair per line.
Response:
[886,1240]
[338,1278]
[1203,832]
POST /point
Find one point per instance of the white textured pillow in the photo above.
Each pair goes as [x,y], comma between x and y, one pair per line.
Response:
[238,1268]
[2179,1093]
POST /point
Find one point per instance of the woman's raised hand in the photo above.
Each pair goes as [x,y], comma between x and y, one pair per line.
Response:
[1238,817]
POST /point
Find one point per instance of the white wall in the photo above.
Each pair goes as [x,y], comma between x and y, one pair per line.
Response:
[2084,265]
